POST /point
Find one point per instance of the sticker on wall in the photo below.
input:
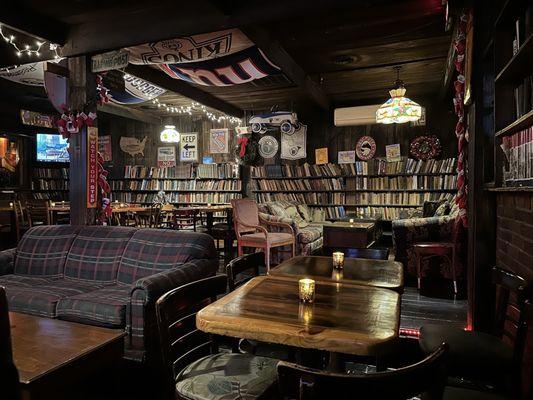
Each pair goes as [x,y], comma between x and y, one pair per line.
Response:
[346,157]
[365,148]
[392,152]
[321,155]
[166,156]
[293,146]
[132,145]
[268,146]
[189,147]
[104,148]
[219,141]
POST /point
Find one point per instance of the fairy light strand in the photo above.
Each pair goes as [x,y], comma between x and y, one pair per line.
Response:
[26,49]
[197,107]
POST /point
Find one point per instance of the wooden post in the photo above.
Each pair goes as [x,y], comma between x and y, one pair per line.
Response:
[82,89]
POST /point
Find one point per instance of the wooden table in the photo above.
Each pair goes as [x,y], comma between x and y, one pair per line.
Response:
[360,320]
[209,211]
[356,235]
[357,271]
[50,353]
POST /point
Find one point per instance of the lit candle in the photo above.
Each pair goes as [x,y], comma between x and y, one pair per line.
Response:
[208,204]
[338,259]
[351,220]
[53,204]
[307,290]
[10,204]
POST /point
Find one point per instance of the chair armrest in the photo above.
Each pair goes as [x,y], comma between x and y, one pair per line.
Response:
[7,261]
[279,222]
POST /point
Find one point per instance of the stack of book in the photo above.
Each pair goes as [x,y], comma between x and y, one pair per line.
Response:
[519,150]
[51,173]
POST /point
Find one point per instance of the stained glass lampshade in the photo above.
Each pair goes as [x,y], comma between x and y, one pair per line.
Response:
[398,109]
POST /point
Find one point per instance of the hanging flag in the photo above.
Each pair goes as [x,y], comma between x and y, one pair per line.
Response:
[136,90]
[242,67]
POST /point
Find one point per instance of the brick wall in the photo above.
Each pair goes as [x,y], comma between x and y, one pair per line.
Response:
[514,251]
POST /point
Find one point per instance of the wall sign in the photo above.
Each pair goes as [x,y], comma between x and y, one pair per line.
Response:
[166,156]
[104,148]
[110,60]
[293,146]
[92,166]
[268,146]
[189,147]
[219,141]
[365,148]
[27,74]
[132,145]
[321,155]
[36,119]
[393,152]
[346,157]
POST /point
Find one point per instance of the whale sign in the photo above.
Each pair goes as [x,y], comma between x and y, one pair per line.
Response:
[189,147]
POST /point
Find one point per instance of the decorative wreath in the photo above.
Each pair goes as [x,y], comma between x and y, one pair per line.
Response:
[247,150]
[426,147]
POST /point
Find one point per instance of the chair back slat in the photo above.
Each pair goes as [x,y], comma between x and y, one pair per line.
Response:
[245,214]
[9,379]
[249,263]
[426,376]
[38,212]
[176,311]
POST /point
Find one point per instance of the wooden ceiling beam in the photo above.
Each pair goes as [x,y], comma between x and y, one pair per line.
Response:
[159,78]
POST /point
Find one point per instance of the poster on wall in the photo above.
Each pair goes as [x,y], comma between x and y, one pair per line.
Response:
[104,148]
[92,166]
[346,157]
[166,156]
[36,119]
[392,152]
[189,147]
[132,145]
[219,141]
[321,155]
[293,147]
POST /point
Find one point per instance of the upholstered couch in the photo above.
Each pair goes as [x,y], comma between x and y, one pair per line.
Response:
[306,222]
[105,276]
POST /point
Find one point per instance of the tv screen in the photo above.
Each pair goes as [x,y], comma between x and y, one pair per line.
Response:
[52,148]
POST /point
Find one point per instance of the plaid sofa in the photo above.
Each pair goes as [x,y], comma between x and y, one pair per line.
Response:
[105,276]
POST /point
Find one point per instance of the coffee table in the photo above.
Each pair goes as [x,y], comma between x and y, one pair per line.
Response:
[50,354]
[343,235]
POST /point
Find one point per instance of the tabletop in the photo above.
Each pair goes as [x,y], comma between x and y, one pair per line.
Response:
[356,271]
[215,208]
[42,345]
[349,319]
[350,225]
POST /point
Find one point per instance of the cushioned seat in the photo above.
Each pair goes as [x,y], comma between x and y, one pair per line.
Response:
[470,353]
[227,376]
[103,307]
[42,300]
[274,237]
[25,281]
[310,234]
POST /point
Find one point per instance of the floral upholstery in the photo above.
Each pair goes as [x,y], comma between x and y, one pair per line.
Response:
[227,376]
[310,234]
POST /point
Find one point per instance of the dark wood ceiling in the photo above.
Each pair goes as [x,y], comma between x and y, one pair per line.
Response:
[332,53]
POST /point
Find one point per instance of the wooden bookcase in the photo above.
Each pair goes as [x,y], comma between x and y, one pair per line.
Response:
[50,183]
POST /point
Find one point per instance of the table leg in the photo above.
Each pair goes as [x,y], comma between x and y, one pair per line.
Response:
[209,220]
[335,362]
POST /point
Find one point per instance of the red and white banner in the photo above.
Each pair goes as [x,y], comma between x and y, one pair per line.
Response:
[92,167]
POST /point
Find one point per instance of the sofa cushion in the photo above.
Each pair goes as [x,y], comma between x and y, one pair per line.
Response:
[304,211]
[42,300]
[43,250]
[310,234]
[96,252]
[296,217]
[153,250]
[278,209]
[103,307]
[318,214]
[259,238]
[13,280]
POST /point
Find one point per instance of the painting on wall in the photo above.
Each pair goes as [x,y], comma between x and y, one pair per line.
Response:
[9,159]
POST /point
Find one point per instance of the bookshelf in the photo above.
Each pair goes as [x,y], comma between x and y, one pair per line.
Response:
[363,188]
[50,183]
[183,184]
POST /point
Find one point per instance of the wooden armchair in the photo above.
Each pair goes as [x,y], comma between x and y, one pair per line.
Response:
[250,231]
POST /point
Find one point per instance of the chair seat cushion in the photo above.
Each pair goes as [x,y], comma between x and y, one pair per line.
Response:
[102,307]
[42,300]
[227,376]
[274,237]
[471,354]
[25,280]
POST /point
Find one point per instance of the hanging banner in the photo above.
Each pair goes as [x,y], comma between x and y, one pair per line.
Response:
[242,67]
[219,141]
[189,147]
[346,157]
[110,60]
[34,118]
[321,155]
[293,147]
[27,74]
[193,48]
[135,90]
[92,166]
[132,145]
[104,148]
[392,152]
[166,156]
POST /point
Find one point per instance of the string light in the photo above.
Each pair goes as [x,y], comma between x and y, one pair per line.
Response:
[197,107]
[26,49]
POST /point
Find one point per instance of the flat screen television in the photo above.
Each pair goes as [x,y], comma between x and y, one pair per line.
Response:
[52,148]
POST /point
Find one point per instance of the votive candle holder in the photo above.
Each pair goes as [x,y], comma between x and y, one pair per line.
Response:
[306,288]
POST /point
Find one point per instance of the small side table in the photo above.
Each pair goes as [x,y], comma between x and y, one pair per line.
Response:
[435,249]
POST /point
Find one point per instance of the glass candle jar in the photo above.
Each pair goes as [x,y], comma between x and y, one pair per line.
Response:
[338,259]
[307,290]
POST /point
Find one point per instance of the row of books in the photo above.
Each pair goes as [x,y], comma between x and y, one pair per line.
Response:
[519,150]
[51,173]
[386,213]
[51,195]
[201,171]
[47,184]
[325,213]
[300,184]
[192,185]
[306,198]
[184,198]
[397,198]
[413,182]
[372,167]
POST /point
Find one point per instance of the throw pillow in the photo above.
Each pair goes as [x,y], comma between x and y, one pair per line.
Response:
[278,210]
[442,210]
[318,215]
[304,211]
[296,217]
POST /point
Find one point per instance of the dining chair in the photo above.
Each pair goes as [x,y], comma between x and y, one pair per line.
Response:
[184,219]
[7,207]
[424,377]
[62,217]
[195,369]
[249,264]
[251,232]
[149,218]
[38,212]
[371,254]
[494,358]
[22,223]
[9,378]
